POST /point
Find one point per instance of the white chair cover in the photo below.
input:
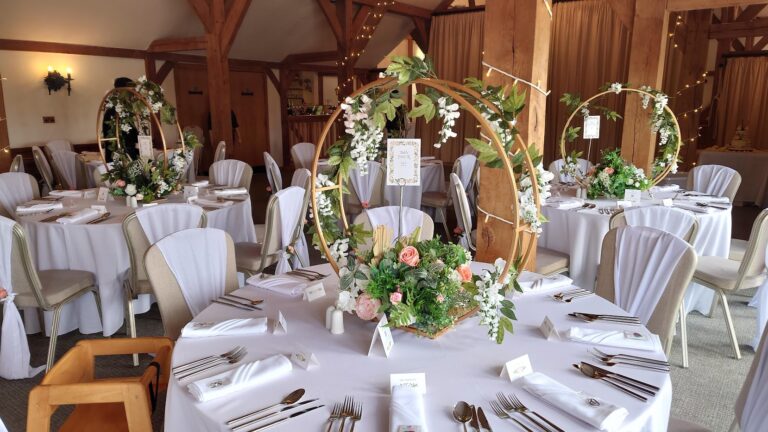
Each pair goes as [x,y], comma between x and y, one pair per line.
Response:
[462,209]
[17,166]
[753,418]
[645,260]
[364,184]
[388,216]
[274,177]
[668,219]
[712,179]
[221,152]
[15,189]
[14,348]
[556,166]
[289,202]
[465,167]
[67,164]
[165,219]
[58,145]
[760,301]
[228,171]
[198,259]
[301,178]
[303,154]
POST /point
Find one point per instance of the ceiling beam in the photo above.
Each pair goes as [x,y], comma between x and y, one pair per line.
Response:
[177,44]
[420,33]
[311,57]
[360,18]
[686,5]
[329,10]
[399,8]
[444,5]
[203,12]
[163,72]
[64,48]
[761,44]
[736,29]
[235,16]
[751,12]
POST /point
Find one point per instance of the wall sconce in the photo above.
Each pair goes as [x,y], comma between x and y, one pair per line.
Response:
[55,81]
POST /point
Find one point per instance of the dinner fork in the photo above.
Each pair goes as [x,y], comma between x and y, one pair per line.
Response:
[195,363]
[508,406]
[522,408]
[335,414]
[356,416]
[631,357]
[234,359]
[500,413]
[346,411]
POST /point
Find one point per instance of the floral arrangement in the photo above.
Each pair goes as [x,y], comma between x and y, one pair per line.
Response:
[613,175]
[146,180]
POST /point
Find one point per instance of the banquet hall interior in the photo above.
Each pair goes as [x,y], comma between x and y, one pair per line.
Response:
[384,215]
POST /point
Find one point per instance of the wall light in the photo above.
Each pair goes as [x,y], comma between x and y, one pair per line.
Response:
[54,81]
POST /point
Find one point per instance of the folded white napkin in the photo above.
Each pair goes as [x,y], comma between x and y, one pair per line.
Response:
[80,216]
[66,193]
[694,208]
[38,206]
[244,377]
[587,408]
[231,191]
[615,338]
[231,327]
[530,281]
[565,203]
[284,284]
[665,188]
[406,408]
[427,157]
[200,183]
[708,199]
[212,203]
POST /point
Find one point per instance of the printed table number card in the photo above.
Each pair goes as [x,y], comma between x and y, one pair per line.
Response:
[418,381]
[314,292]
[281,323]
[667,202]
[632,195]
[191,191]
[548,329]
[103,195]
[384,333]
[305,359]
[145,147]
[403,162]
[517,368]
[592,127]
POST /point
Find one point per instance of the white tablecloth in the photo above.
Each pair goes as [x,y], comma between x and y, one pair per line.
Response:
[461,365]
[752,167]
[580,233]
[101,249]
[432,179]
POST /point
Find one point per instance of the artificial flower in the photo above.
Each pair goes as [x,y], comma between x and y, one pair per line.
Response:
[409,256]
[366,307]
[465,272]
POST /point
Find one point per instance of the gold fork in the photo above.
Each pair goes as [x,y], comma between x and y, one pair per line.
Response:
[500,413]
[335,414]
[358,414]
[346,411]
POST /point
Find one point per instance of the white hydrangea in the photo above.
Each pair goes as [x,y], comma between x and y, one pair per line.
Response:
[339,250]
[529,211]
[449,112]
[646,99]
[162,187]
[125,127]
[661,103]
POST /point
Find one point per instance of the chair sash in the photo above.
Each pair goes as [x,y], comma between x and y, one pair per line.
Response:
[289,203]
[645,260]
[556,166]
[228,172]
[668,219]
[712,179]
[303,153]
[301,178]
[273,173]
[15,189]
[198,260]
[58,145]
[410,219]
[753,418]
[66,164]
[14,348]
[364,184]
[165,219]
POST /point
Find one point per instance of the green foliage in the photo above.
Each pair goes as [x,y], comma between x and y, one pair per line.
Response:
[408,69]
[613,175]
[424,107]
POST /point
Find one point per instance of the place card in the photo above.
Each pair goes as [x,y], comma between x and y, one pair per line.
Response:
[304,359]
[592,127]
[409,428]
[548,329]
[667,202]
[624,203]
[403,162]
[103,194]
[146,151]
[418,381]
[281,323]
[149,204]
[89,194]
[191,191]
[99,208]
[314,292]
[517,368]
[632,195]
[383,333]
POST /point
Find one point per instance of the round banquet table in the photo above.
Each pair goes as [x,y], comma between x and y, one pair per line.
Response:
[579,233]
[102,250]
[432,180]
[463,364]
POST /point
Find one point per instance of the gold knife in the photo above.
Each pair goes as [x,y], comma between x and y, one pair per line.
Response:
[483,420]
[473,420]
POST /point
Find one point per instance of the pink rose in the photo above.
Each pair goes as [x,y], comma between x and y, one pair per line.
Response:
[396,297]
[120,183]
[440,298]
[269,189]
[365,204]
[465,272]
[608,170]
[3,293]
[409,256]
[458,230]
[366,307]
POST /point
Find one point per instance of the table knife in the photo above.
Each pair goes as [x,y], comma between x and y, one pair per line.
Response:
[238,303]
[277,422]
[473,420]
[483,420]
[242,307]
[253,421]
[607,372]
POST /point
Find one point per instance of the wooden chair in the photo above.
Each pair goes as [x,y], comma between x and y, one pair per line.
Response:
[110,404]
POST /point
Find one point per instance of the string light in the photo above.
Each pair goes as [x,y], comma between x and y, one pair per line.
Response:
[516,78]
[700,81]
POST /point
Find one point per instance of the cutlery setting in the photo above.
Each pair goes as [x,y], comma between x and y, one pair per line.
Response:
[349,409]
[99,219]
[289,403]
[506,406]
[239,302]
[307,274]
[621,319]
[638,362]
[628,385]
[570,295]
[195,367]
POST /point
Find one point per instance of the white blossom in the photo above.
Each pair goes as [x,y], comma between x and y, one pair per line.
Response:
[616,87]
[449,112]
[130,189]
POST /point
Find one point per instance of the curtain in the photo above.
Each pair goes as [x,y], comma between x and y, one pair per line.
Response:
[744,101]
[456,48]
[589,48]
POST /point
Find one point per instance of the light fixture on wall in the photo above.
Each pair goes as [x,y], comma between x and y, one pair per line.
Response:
[54,81]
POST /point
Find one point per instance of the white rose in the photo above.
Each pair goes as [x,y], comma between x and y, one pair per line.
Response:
[139,197]
[130,189]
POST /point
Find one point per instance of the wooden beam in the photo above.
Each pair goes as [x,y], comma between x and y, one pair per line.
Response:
[164,70]
[330,15]
[444,5]
[150,70]
[178,44]
[737,45]
[234,19]
[5,158]
[218,78]
[311,57]
[761,44]
[360,18]
[398,8]
[360,39]
[737,29]
[272,77]
[346,64]
[203,12]
[63,48]
[420,33]
[751,12]
[686,5]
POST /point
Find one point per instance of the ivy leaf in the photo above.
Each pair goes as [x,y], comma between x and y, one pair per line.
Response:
[425,108]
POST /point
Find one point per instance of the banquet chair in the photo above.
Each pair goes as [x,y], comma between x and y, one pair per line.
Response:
[714,180]
[198,133]
[303,154]
[17,165]
[101,404]
[658,316]
[557,165]
[44,168]
[469,150]
[221,152]
[551,262]
[463,215]
[678,222]
[65,166]
[169,264]
[253,258]
[725,275]
[368,189]
[97,174]
[165,219]
[388,216]
[58,145]
[49,290]
[16,188]
[231,172]
[464,167]
[274,177]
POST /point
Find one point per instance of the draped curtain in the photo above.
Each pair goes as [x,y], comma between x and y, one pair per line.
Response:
[744,101]
[589,48]
[456,48]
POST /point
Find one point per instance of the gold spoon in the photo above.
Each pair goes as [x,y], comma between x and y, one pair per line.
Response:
[462,412]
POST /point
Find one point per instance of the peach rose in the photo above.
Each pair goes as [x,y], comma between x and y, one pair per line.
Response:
[396,297]
[120,183]
[608,170]
[409,256]
[3,293]
[465,272]
[440,298]
[366,307]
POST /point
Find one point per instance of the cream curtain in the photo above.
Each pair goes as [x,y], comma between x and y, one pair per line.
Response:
[744,100]
[590,47]
[456,47]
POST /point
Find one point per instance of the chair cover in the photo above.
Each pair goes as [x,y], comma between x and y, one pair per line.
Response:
[274,177]
[556,166]
[66,164]
[465,167]
[198,260]
[41,163]
[301,178]
[388,216]
[228,172]
[712,179]
[221,152]
[15,189]
[364,184]
[645,260]
[58,145]
[14,348]
[165,219]
[17,165]
[461,208]
[751,403]
[668,219]
[290,202]
[303,154]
